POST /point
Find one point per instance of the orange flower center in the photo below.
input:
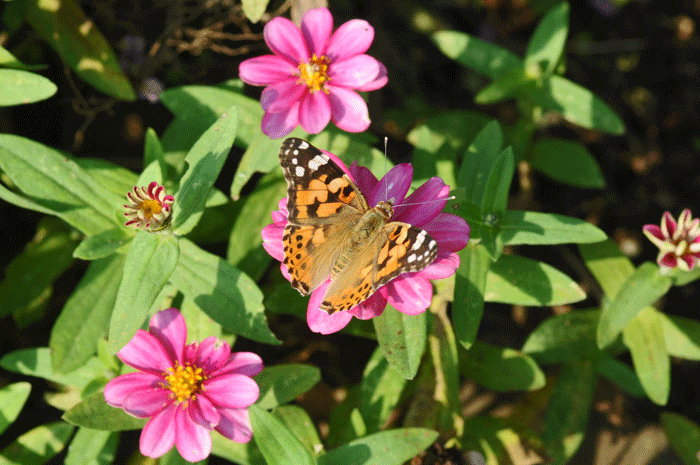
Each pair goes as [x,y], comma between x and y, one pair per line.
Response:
[150,208]
[184,381]
[314,74]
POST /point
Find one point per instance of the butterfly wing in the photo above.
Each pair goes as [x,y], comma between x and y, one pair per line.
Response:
[397,248]
[324,205]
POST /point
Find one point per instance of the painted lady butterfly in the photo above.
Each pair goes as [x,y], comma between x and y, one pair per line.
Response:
[331,231]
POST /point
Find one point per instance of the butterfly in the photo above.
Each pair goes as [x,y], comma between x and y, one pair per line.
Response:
[333,232]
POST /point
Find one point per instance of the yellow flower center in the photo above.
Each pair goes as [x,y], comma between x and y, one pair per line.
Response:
[184,381]
[150,208]
[314,74]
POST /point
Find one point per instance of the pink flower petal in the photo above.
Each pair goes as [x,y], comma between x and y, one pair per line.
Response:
[353,72]
[393,185]
[450,231]
[244,363]
[266,70]
[410,294]
[668,225]
[316,27]
[378,82]
[370,308]
[192,440]
[314,112]
[231,390]
[442,267]
[272,240]
[277,125]
[348,109]
[204,412]
[321,322]
[281,95]
[667,259]
[424,203]
[686,262]
[655,231]
[351,38]
[158,436]
[145,403]
[118,389]
[340,164]
[285,40]
[211,355]
[145,352]
[364,179]
[168,326]
[235,424]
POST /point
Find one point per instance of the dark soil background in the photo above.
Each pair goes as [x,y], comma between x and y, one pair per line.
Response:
[642,59]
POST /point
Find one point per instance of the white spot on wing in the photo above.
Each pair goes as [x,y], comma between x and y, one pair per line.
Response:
[294,161]
[317,161]
[303,145]
[411,258]
[299,171]
[419,240]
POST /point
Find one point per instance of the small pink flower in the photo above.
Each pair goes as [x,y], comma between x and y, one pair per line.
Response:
[186,390]
[409,293]
[678,243]
[312,74]
[149,207]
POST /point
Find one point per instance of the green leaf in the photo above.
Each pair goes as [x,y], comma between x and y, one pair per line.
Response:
[153,151]
[261,156]
[643,288]
[402,339]
[567,414]
[38,445]
[682,277]
[12,399]
[576,104]
[387,448]
[37,362]
[478,162]
[502,87]
[116,179]
[682,336]
[278,445]
[621,374]
[236,452]
[546,46]
[81,44]
[91,447]
[254,9]
[522,281]
[205,160]
[644,336]
[684,436]
[228,296]
[93,412]
[19,87]
[495,201]
[8,60]
[486,364]
[499,440]
[30,275]
[535,228]
[565,338]
[470,287]
[85,317]
[381,390]
[148,265]
[567,162]
[483,57]
[280,384]
[610,268]
[300,424]
[103,244]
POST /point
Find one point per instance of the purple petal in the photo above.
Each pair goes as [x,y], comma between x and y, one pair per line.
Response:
[353,72]
[169,327]
[410,294]
[231,390]
[118,389]
[351,38]
[370,308]
[235,424]
[272,240]
[146,403]
[285,40]
[364,179]
[442,267]
[281,95]
[244,363]
[424,203]
[316,27]
[340,163]
[145,352]
[378,82]
[314,112]
[450,231]
[192,440]
[158,436]
[321,322]
[204,413]
[348,109]
[278,125]
[393,185]
[265,70]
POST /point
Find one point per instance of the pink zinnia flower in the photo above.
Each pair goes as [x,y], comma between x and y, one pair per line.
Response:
[149,207]
[186,390]
[678,243]
[409,293]
[312,74]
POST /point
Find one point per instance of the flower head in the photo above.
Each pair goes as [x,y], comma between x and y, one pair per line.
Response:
[149,207]
[409,293]
[186,390]
[678,243]
[312,77]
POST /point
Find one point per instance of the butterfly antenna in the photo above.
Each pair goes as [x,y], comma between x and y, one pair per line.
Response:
[452,197]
